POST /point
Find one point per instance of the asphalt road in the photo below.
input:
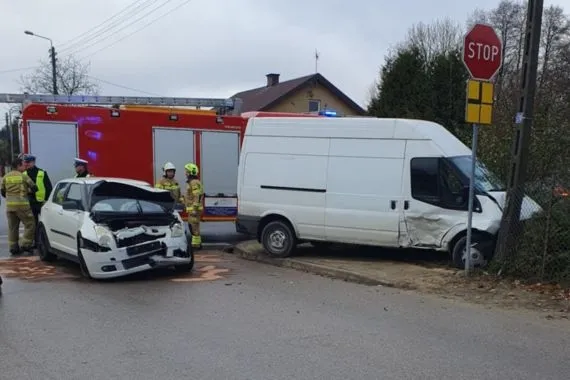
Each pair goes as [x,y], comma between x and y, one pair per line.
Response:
[262,322]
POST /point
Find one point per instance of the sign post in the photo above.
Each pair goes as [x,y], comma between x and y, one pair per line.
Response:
[483,57]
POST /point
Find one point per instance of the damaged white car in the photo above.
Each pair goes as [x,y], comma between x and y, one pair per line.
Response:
[113,227]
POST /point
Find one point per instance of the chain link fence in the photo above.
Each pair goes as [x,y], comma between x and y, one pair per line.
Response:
[540,243]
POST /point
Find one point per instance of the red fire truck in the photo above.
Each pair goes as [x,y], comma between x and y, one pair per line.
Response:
[135,139]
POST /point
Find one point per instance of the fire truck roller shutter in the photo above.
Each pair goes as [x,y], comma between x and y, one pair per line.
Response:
[172,145]
[219,172]
[55,146]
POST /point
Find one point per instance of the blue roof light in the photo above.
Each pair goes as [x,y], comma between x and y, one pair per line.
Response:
[328,113]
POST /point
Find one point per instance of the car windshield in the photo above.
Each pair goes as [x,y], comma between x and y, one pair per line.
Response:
[130,206]
[485,180]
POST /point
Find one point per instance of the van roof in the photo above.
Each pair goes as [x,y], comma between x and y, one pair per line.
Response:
[358,127]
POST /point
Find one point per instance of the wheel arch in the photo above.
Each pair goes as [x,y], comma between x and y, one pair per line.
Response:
[271,217]
[451,243]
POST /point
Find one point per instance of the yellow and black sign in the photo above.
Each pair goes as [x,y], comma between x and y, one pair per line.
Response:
[479,107]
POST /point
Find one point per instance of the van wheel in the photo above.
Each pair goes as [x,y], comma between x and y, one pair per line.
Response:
[278,239]
[481,251]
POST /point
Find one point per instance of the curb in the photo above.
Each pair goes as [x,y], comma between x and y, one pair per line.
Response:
[322,270]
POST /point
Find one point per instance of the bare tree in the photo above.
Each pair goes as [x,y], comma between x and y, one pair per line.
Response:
[439,37]
[72,78]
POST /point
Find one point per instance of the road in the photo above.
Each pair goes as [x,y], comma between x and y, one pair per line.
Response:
[262,322]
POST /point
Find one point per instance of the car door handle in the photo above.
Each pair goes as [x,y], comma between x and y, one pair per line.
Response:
[406,205]
[393,205]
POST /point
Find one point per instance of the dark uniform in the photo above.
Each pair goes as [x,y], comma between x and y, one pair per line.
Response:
[81,170]
[41,178]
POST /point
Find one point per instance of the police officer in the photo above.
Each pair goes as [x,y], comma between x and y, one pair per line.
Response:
[168,182]
[43,183]
[16,188]
[81,170]
[193,201]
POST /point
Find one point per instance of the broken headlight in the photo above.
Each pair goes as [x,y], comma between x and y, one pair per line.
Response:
[104,236]
[177,230]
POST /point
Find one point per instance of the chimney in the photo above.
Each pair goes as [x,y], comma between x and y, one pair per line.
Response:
[272,79]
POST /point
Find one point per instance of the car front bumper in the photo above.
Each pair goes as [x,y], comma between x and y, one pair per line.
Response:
[138,258]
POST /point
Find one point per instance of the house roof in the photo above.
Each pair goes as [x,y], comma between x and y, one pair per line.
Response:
[262,98]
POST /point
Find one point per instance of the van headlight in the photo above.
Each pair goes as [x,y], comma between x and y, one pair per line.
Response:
[176,230]
[104,236]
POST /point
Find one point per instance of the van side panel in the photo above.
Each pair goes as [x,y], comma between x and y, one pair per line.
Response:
[364,194]
[286,176]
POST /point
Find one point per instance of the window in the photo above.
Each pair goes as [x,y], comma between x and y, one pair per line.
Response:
[314,105]
[58,192]
[74,195]
[127,205]
[425,178]
[485,180]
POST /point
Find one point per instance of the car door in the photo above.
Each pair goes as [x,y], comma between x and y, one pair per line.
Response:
[51,215]
[69,221]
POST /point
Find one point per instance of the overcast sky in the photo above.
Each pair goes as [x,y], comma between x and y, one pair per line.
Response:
[215,48]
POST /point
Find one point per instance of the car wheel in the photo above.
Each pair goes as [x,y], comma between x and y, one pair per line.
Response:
[185,268]
[482,249]
[82,265]
[44,248]
[278,239]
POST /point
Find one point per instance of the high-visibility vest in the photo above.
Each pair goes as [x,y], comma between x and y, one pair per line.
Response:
[41,193]
[16,190]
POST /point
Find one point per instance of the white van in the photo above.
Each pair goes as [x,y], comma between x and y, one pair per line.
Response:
[366,181]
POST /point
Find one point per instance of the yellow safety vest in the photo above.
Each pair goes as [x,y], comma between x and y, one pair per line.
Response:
[16,190]
[41,193]
[170,185]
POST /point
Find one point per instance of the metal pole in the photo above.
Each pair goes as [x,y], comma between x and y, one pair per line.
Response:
[10,133]
[471,198]
[510,223]
[53,70]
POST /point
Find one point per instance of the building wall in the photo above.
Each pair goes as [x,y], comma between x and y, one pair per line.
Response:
[299,102]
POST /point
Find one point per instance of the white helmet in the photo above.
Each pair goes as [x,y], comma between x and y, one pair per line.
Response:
[168,166]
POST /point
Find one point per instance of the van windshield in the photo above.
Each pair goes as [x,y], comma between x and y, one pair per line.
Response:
[485,180]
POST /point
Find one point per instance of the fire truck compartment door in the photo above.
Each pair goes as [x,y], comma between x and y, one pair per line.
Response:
[219,161]
[55,146]
[172,145]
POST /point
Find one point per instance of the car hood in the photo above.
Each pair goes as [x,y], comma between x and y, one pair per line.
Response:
[102,189]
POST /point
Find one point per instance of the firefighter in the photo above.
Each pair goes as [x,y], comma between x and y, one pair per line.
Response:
[81,168]
[168,182]
[16,188]
[193,201]
[43,183]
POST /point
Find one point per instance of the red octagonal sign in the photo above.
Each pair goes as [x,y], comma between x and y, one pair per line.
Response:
[482,52]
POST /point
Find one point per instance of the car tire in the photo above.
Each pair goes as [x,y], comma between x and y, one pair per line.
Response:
[185,268]
[44,247]
[82,265]
[278,239]
[482,251]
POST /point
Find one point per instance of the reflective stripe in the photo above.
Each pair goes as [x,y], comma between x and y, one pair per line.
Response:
[41,193]
[12,180]
[16,190]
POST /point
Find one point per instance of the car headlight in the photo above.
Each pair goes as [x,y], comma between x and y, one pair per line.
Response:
[177,230]
[104,236]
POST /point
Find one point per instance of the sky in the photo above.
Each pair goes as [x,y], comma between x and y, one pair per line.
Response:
[215,48]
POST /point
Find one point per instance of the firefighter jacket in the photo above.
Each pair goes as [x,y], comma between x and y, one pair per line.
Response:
[194,195]
[172,186]
[16,188]
[43,183]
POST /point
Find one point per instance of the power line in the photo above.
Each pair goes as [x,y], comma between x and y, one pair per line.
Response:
[137,30]
[123,28]
[123,87]
[87,38]
[20,69]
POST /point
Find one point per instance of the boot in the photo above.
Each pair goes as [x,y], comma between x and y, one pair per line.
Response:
[15,250]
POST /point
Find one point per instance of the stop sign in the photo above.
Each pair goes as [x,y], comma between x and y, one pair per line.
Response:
[482,52]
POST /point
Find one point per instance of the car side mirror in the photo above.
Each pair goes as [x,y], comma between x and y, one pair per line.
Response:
[69,205]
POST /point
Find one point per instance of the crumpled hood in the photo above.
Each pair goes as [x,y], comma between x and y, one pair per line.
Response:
[528,209]
[103,189]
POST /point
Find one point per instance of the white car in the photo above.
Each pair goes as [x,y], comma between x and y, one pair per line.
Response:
[113,227]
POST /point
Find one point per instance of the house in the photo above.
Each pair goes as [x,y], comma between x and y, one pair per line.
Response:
[311,93]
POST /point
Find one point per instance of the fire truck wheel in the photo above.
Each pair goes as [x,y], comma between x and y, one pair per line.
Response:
[278,239]
[44,247]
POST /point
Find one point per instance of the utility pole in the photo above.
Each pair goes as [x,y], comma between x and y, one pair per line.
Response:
[52,59]
[510,224]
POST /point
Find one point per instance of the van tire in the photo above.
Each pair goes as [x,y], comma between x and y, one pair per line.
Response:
[483,246]
[278,239]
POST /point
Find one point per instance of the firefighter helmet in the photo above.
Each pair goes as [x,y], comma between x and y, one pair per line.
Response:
[191,168]
[168,166]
